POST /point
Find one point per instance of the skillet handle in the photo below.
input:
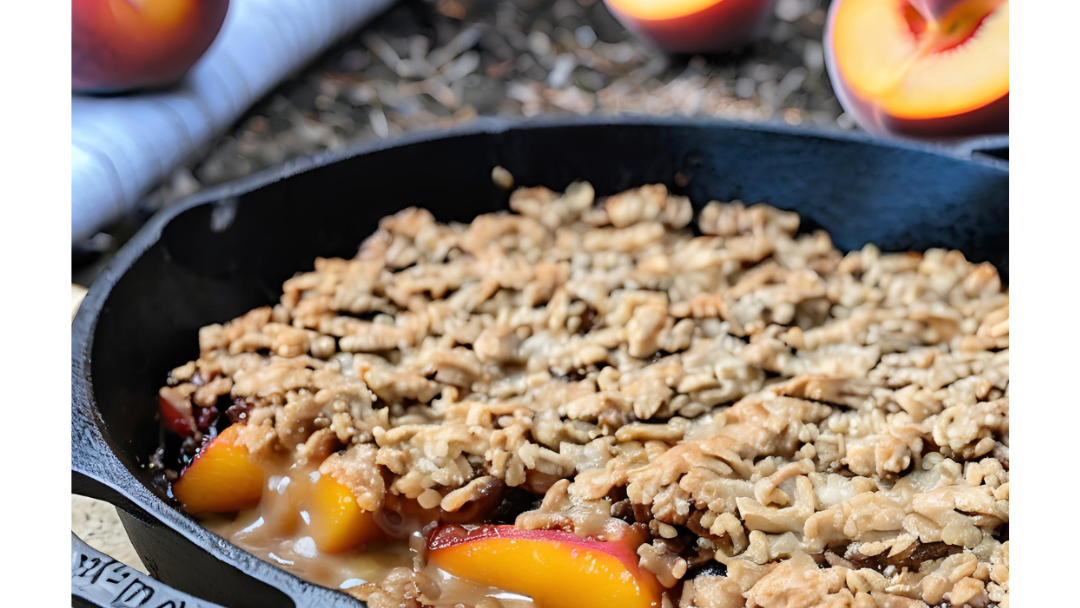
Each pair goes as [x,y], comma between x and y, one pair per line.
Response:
[88,473]
[99,581]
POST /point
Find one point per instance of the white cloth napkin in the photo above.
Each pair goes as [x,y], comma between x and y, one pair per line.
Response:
[121,146]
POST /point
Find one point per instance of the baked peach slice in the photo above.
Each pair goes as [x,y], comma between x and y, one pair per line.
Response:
[176,412]
[693,26]
[556,569]
[924,68]
[338,523]
[221,478]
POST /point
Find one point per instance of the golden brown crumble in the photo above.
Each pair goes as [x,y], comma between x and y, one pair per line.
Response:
[833,428]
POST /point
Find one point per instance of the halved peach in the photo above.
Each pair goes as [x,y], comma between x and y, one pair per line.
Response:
[935,8]
[337,523]
[693,26]
[221,478]
[556,569]
[931,68]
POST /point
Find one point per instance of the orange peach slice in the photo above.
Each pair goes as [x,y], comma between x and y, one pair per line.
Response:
[922,67]
[338,524]
[221,478]
[693,26]
[556,569]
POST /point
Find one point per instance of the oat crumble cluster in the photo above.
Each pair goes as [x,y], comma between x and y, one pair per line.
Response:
[831,428]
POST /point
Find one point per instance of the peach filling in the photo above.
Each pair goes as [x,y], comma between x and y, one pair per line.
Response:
[337,522]
[545,565]
[311,524]
[221,478]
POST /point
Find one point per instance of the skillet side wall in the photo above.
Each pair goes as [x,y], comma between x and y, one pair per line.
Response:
[217,260]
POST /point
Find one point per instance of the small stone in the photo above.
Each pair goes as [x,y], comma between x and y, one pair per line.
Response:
[586,37]
[539,44]
[560,75]
[745,87]
[183,183]
[618,52]
[790,82]
[564,39]
[814,57]
[463,66]
[323,102]
[590,80]
[571,99]
[361,94]
[378,123]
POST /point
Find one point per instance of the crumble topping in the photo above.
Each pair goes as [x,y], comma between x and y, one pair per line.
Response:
[795,426]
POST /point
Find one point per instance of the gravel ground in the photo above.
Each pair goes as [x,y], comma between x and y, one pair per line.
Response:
[434,63]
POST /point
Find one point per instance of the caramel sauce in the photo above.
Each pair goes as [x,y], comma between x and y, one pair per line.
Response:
[276,531]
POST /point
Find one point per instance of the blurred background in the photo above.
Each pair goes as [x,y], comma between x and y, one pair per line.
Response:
[434,63]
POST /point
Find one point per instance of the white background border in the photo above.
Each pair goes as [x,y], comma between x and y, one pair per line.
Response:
[1045,269]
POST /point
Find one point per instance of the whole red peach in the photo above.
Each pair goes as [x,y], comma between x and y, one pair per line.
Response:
[117,45]
[921,68]
[693,26]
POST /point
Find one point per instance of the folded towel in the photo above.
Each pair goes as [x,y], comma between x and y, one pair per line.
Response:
[121,146]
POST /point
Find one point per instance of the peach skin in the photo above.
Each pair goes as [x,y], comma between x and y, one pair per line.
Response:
[556,569]
[338,524]
[221,478]
[693,26]
[176,413]
[118,45]
[922,68]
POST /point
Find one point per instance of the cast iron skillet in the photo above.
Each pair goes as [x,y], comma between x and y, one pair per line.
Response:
[228,249]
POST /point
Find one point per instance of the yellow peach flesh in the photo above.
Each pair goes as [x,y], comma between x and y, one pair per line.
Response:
[952,67]
[338,523]
[221,479]
[555,569]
